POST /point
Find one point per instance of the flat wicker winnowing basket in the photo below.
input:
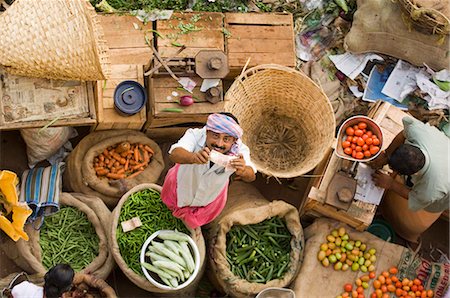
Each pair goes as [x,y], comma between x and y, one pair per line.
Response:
[287,119]
[57,39]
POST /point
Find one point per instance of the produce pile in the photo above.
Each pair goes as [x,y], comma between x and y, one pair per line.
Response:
[68,237]
[345,253]
[154,215]
[170,259]
[259,252]
[385,285]
[360,142]
[123,160]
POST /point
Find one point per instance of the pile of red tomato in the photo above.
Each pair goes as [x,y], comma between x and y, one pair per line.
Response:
[360,142]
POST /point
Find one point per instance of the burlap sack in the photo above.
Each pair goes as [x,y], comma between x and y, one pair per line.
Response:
[140,280]
[27,254]
[245,206]
[378,26]
[313,276]
[80,174]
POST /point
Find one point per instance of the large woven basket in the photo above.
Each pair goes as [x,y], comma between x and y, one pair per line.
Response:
[287,119]
[431,17]
[57,39]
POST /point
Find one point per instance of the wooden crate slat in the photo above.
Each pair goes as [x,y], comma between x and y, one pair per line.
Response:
[200,39]
[119,31]
[258,18]
[164,122]
[130,55]
[257,32]
[251,45]
[196,108]
[207,20]
[160,95]
[238,60]
[190,52]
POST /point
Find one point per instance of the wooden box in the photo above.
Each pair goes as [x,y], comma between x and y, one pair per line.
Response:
[265,38]
[207,33]
[107,117]
[127,45]
[162,87]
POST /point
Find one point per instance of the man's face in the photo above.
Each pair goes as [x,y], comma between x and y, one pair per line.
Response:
[219,141]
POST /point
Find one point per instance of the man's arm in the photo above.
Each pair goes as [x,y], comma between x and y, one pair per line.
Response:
[244,172]
[383,158]
[388,182]
[182,156]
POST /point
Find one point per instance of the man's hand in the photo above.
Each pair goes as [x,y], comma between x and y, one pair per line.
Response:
[201,157]
[380,161]
[382,180]
[239,165]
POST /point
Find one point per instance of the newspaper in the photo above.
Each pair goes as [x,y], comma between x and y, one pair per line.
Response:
[366,190]
[25,99]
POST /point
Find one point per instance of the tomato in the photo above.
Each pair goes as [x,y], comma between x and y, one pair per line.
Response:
[355,127]
[385,274]
[354,294]
[362,125]
[345,295]
[423,294]
[349,138]
[360,290]
[358,148]
[350,131]
[359,155]
[354,154]
[394,279]
[360,142]
[373,295]
[382,279]
[398,284]
[414,288]
[398,292]
[391,288]
[393,270]
[359,132]
[346,144]
[348,287]
[361,296]
[367,153]
[385,295]
[388,281]
[369,133]
[353,146]
[365,147]
[376,284]
[373,151]
[421,288]
[369,141]
[365,137]
[430,293]
[383,289]
[348,151]
[417,282]
[378,292]
[372,275]
[354,140]
[376,142]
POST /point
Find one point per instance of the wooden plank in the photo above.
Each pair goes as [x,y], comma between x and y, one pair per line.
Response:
[119,31]
[250,45]
[200,39]
[196,108]
[61,122]
[238,60]
[166,133]
[260,32]
[190,52]
[122,71]
[160,95]
[259,18]
[211,20]
[130,56]
[164,122]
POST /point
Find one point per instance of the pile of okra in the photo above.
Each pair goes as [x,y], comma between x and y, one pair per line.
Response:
[259,252]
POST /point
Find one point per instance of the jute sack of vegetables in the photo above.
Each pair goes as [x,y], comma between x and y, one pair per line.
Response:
[143,201]
[254,244]
[313,275]
[106,164]
[75,235]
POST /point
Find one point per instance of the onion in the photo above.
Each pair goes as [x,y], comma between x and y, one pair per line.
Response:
[186,100]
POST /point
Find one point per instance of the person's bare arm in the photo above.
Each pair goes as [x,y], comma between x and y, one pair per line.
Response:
[388,182]
[383,158]
[243,172]
[182,156]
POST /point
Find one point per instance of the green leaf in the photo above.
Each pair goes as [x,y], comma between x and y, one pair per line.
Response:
[444,86]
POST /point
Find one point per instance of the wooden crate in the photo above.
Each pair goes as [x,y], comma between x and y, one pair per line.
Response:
[209,37]
[263,37]
[162,87]
[107,117]
[126,44]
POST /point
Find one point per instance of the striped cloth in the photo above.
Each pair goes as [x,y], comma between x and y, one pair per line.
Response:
[40,189]
[220,123]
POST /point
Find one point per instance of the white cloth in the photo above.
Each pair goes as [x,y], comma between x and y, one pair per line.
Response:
[199,184]
[27,290]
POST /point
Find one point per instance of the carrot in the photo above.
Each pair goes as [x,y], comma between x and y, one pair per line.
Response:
[121,171]
[146,156]
[126,164]
[101,157]
[116,164]
[125,153]
[139,165]
[110,163]
[134,174]
[102,172]
[132,162]
[106,153]
[136,154]
[149,149]
[101,164]
[115,176]
[116,156]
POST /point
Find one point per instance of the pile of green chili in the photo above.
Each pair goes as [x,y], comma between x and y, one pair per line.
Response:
[68,237]
[154,215]
[259,252]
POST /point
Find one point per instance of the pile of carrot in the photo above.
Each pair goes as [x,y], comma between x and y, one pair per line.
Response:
[123,160]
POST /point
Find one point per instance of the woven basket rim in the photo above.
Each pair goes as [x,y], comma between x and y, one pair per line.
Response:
[424,20]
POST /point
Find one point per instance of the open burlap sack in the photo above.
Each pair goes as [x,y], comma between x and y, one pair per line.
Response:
[313,276]
[245,206]
[140,280]
[58,39]
[80,174]
[378,26]
[27,254]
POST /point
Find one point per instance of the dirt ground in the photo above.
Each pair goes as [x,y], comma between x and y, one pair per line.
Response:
[13,157]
